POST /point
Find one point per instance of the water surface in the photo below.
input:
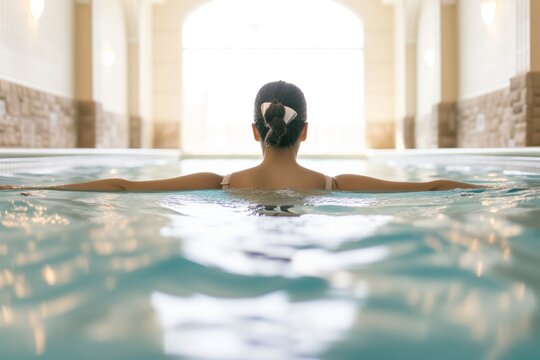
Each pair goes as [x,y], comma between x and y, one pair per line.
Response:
[203,275]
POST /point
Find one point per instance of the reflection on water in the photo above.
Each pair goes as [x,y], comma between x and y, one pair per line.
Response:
[265,327]
[267,246]
[201,275]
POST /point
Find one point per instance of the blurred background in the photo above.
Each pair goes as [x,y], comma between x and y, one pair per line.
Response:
[184,73]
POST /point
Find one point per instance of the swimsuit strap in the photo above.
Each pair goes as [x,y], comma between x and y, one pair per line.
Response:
[225,182]
[328,182]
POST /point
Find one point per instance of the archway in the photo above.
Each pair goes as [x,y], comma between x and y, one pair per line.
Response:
[232,47]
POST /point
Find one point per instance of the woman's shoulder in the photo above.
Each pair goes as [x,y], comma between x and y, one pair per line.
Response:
[241,173]
[238,177]
[317,174]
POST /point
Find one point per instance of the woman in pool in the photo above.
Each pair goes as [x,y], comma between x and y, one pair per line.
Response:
[280,125]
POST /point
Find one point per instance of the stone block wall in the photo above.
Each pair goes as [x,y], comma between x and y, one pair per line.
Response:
[140,132]
[408,132]
[380,135]
[88,112]
[509,117]
[492,120]
[112,130]
[135,129]
[426,131]
[166,134]
[435,130]
[505,118]
[445,113]
[532,111]
[36,119]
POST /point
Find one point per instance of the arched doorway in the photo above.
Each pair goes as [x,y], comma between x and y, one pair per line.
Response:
[232,47]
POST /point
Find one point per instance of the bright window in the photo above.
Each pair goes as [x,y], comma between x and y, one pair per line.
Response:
[233,47]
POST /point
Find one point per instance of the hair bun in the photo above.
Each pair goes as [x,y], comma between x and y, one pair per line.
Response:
[274,118]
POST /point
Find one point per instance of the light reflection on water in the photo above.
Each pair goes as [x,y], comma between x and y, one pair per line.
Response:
[265,327]
[201,275]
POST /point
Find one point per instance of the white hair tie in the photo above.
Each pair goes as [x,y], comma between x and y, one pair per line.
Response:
[290,114]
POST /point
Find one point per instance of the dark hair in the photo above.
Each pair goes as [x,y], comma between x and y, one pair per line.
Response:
[271,126]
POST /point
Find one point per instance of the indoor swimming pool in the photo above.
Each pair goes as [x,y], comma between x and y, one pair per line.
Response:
[207,275]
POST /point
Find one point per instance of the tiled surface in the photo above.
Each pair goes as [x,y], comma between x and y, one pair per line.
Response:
[112,130]
[380,135]
[408,132]
[494,119]
[135,128]
[166,135]
[426,131]
[508,117]
[505,118]
[35,119]
[446,123]
[32,118]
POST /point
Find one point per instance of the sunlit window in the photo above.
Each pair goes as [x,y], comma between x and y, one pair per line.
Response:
[232,47]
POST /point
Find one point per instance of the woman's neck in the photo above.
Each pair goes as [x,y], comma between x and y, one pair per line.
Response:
[279,156]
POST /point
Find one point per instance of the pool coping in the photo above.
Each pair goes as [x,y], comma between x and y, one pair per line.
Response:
[34,153]
[15,160]
[525,152]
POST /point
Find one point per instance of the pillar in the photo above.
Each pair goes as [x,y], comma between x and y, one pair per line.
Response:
[88,109]
[445,111]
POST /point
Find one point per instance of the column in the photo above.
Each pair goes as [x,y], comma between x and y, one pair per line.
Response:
[88,109]
[445,111]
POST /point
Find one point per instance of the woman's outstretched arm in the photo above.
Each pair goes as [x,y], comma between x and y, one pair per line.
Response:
[364,183]
[198,181]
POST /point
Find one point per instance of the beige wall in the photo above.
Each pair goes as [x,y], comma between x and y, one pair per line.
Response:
[139,61]
[410,79]
[405,23]
[167,66]
[449,58]
[83,56]
[38,54]
[110,81]
[534,21]
[400,64]
[428,46]
[145,60]
[487,55]
[378,22]
[400,57]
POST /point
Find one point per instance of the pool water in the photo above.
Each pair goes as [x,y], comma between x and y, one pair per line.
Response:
[204,275]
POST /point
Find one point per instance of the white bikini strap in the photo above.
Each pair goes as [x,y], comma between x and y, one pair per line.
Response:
[328,182]
[225,182]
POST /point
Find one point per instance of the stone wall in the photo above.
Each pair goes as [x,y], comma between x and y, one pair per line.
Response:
[508,117]
[380,135]
[489,121]
[166,134]
[135,129]
[140,132]
[436,130]
[112,130]
[408,132]
[505,118]
[426,131]
[36,119]
[531,84]
[445,114]
[88,112]
[101,129]
[533,112]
